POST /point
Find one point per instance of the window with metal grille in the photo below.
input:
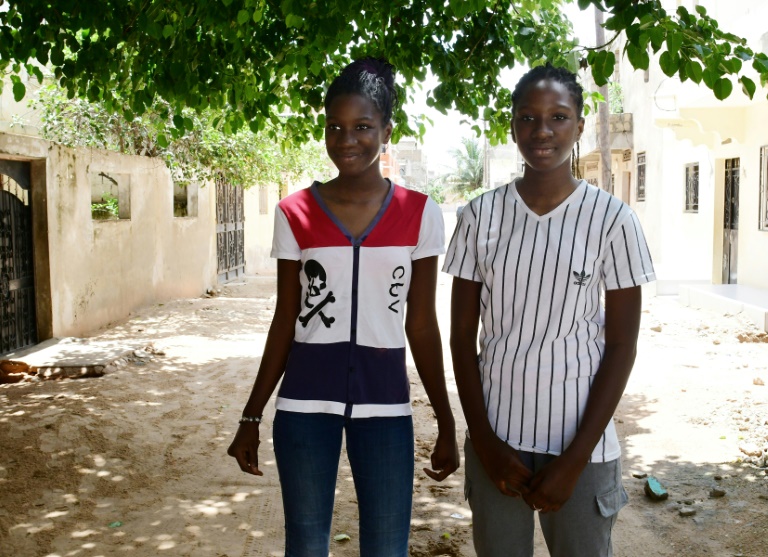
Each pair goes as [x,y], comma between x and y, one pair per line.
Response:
[692,188]
[641,176]
[763,223]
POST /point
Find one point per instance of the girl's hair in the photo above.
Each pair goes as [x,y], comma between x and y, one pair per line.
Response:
[548,71]
[372,78]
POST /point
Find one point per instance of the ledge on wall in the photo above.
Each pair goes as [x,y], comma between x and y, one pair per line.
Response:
[728,298]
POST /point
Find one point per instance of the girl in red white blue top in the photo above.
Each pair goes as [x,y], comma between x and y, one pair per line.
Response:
[357,271]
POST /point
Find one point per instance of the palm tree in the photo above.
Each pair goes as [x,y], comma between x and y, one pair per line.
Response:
[469,167]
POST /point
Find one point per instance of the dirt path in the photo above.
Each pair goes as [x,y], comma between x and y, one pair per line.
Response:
[133,464]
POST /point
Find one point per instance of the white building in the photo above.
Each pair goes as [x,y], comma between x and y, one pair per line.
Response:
[695,169]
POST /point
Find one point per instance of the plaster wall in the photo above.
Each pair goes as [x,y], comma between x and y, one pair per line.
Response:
[753,242]
[258,229]
[100,271]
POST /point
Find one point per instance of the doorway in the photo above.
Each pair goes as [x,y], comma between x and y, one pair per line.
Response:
[731,222]
[18,321]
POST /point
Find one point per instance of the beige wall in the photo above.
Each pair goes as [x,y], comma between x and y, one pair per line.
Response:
[100,271]
[258,230]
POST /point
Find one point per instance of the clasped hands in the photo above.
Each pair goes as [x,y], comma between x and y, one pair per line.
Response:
[547,490]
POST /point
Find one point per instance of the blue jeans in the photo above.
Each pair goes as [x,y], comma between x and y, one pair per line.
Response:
[380,451]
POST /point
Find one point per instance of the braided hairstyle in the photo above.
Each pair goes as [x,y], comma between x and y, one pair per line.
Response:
[372,78]
[548,71]
[570,81]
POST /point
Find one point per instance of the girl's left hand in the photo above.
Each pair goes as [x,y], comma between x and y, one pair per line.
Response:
[445,457]
[553,485]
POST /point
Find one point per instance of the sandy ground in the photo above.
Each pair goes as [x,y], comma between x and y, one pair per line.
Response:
[133,463]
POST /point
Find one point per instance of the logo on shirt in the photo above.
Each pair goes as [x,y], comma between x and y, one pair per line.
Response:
[394,288]
[581,278]
[316,277]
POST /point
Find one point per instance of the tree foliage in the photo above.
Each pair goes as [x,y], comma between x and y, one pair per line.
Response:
[242,158]
[254,61]
[470,159]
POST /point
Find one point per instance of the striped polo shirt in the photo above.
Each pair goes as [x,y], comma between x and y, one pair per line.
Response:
[348,353]
[542,319]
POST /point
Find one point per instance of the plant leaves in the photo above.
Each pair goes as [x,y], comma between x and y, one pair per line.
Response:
[748,86]
[722,88]
[19,90]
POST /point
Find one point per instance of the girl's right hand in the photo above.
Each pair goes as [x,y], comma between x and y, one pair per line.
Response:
[503,466]
[245,448]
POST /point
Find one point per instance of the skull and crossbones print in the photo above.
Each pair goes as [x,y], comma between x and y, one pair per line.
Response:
[316,277]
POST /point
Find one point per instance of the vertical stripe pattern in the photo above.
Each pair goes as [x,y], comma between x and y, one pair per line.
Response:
[542,337]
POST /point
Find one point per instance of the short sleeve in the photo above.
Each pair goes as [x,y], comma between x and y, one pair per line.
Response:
[432,232]
[628,261]
[461,257]
[284,244]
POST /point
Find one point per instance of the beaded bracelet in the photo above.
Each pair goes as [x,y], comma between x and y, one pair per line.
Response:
[250,419]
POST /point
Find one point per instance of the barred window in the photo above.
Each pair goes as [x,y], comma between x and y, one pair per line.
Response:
[641,176]
[692,188]
[763,224]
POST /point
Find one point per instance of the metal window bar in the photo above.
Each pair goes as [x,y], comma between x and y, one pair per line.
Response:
[692,188]
[731,209]
[641,176]
[763,215]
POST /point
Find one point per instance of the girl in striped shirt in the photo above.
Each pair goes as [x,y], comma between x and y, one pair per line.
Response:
[532,262]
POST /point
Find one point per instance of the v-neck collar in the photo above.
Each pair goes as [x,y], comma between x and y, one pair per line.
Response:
[359,240]
[579,191]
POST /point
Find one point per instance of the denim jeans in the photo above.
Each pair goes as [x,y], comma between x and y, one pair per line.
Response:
[380,451]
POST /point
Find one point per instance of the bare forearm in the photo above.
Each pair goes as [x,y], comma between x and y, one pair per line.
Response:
[467,373]
[271,369]
[427,351]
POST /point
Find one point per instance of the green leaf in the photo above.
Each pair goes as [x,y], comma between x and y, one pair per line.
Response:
[668,63]
[460,8]
[710,77]
[743,53]
[19,90]
[602,66]
[242,17]
[57,56]
[168,31]
[178,121]
[638,57]
[694,70]
[748,86]
[760,64]
[257,15]
[674,42]
[722,88]
[163,141]
[657,35]
[341,538]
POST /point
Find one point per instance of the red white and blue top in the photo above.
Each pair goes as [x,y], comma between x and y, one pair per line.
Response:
[348,352]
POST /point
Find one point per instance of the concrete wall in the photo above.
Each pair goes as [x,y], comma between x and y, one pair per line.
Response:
[100,271]
[258,229]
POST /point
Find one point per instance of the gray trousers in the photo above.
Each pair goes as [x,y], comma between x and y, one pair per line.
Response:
[503,526]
